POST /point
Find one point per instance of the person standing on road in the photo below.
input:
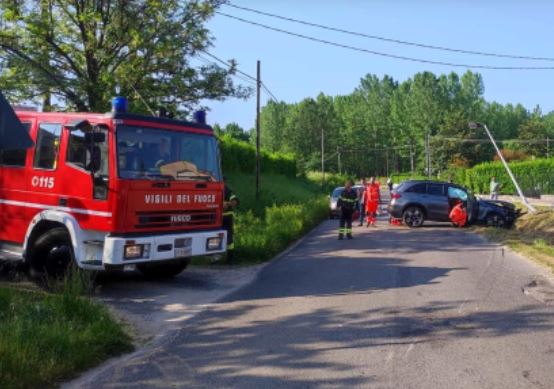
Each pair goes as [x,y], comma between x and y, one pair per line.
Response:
[230,202]
[390,184]
[494,188]
[372,199]
[361,201]
[347,204]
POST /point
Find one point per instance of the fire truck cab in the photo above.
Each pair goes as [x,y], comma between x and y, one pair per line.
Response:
[109,190]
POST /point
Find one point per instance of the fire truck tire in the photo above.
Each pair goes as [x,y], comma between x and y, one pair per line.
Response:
[52,253]
[163,270]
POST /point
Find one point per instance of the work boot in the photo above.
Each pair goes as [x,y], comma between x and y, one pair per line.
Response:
[230,256]
[341,236]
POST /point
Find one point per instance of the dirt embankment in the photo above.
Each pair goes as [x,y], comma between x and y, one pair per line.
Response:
[532,236]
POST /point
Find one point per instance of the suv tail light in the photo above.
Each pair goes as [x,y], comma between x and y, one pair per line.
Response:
[395,195]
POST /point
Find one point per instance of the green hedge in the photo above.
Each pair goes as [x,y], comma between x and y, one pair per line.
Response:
[239,156]
[332,180]
[286,210]
[258,239]
[532,174]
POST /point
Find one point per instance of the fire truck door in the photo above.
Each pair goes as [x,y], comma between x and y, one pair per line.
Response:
[13,186]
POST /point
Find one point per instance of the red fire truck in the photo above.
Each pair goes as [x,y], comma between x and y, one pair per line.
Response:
[111,190]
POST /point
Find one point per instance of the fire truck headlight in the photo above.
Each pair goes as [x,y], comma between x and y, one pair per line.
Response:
[134,251]
[213,244]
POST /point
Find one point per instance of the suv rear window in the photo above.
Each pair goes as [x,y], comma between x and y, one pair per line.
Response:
[417,188]
[435,189]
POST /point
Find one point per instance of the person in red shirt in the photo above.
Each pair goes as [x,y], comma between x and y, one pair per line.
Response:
[372,196]
[458,214]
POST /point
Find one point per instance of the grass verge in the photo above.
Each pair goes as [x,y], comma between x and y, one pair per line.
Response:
[532,236]
[48,337]
[287,209]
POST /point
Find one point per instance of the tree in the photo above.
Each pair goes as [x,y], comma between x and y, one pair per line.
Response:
[80,51]
[273,117]
[534,132]
[236,131]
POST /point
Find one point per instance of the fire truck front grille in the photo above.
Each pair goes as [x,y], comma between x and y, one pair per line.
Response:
[178,218]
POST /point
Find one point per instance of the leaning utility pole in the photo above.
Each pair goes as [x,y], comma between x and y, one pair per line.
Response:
[475,125]
[258,84]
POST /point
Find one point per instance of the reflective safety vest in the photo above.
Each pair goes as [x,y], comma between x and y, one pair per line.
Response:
[348,199]
[372,192]
[229,196]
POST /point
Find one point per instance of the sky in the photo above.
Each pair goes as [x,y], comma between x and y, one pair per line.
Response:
[294,68]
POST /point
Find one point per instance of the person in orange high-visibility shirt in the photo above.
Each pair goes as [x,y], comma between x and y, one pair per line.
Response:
[372,198]
[458,214]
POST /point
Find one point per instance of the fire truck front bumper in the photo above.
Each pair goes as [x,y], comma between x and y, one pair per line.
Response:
[123,250]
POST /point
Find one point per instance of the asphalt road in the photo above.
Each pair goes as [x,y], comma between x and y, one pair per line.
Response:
[394,308]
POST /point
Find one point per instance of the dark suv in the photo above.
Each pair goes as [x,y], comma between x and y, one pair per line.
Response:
[416,201]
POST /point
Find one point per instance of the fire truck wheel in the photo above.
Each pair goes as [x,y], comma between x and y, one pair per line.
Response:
[163,270]
[53,253]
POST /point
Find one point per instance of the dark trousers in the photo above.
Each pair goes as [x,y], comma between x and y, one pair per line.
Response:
[345,224]
[228,221]
[361,209]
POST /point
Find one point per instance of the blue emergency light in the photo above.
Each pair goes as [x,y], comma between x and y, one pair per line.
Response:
[200,117]
[119,104]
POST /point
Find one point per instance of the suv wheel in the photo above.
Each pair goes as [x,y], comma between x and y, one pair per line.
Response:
[413,216]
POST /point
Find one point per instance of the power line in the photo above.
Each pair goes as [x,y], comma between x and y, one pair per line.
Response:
[392,40]
[366,149]
[251,78]
[478,140]
[359,49]
[237,75]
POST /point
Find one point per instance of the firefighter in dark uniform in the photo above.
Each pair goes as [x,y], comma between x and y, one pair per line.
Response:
[230,202]
[347,202]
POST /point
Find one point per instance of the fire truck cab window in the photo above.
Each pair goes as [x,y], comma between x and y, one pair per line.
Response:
[47,146]
[14,158]
[80,154]
[77,149]
[149,153]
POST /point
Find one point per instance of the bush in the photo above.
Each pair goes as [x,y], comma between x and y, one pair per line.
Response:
[532,174]
[332,180]
[286,210]
[240,157]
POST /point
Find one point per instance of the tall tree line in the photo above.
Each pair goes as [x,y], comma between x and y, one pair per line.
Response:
[382,126]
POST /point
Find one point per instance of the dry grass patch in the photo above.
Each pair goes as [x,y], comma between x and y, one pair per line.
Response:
[532,236]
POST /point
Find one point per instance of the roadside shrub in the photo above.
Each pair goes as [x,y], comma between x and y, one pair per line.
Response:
[531,174]
[287,209]
[332,180]
[258,239]
[240,157]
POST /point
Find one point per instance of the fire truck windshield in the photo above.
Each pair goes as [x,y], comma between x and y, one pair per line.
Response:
[151,153]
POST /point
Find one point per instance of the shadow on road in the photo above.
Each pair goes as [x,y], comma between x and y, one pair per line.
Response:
[267,335]
[216,351]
